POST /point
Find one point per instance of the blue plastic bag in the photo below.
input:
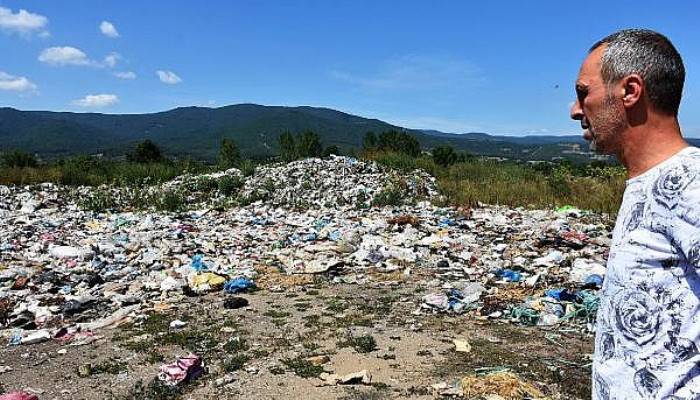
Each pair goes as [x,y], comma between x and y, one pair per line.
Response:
[238,285]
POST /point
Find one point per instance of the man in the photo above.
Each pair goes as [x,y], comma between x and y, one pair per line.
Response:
[628,93]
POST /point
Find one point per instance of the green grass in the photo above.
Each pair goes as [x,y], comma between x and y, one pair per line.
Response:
[593,187]
[83,170]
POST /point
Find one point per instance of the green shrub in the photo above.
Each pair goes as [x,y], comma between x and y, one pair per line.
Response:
[247,168]
[229,184]
[19,159]
[146,152]
[391,195]
[397,160]
[229,154]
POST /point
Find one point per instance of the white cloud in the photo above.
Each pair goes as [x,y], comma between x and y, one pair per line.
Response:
[96,100]
[168,77]
[108,29]
[417,72]
[64,56]
[111,59]
[67,55]
[23,22]
[125,75]
[16,83]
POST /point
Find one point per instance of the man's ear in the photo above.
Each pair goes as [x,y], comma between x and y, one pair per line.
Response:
[633,90]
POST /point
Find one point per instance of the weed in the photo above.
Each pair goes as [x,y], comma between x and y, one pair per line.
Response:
[312,320]
[276,370]
[236,345]
[236,362]
[361,344]
[112,367]
[169,200]
[247,167]
[154,357]
[302,367]
[227,184]
[155,390]
[391,195]
[337,305]
[276,314]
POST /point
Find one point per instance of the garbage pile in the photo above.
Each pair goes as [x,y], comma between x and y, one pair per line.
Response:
[66,273]
[337,182]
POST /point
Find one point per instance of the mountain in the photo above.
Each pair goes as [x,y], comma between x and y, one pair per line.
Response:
[197,132]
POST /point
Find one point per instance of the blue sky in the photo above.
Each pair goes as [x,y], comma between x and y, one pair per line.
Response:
[504,67]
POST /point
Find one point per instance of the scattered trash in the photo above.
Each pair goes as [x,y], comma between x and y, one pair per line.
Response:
[462,346]
[183,370]
[36,337]
[18,396]
[66,273]
[507,385]
[361,377]
[238,285]
[177,324]
[235,302]
[509,275]
[318,360]
[205,282]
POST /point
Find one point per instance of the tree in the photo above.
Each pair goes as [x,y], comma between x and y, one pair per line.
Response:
[444,155]
[400,142]
[369,142]
[333,149]
[229,154]
[146,152]
[288,150]
[309,145]
[18,158]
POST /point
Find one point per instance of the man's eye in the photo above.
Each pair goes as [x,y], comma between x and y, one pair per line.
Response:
[581,94]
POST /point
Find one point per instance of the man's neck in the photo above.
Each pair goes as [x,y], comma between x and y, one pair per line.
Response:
[648,145]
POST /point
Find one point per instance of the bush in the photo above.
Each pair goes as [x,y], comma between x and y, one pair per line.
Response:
[444,155]
[331,150]
[229,154]
[229,184]
[399,142]
[369,142]
[397,160]
[303,145]
[392,195]
[146,152]
[169,200]
[288,149]
[18,159]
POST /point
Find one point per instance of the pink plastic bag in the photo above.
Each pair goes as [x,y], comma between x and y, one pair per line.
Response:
[183,369]
[18,396]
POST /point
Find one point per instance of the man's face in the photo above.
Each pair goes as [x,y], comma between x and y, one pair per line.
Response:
[601,114]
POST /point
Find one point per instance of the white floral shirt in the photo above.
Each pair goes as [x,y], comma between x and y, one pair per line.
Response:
[648,328]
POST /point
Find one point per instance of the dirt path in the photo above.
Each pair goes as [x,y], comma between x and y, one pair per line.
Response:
[261,351]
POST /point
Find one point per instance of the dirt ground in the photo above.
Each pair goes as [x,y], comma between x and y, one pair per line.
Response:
[261,351]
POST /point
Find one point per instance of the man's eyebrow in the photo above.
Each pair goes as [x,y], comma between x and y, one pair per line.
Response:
[581,86]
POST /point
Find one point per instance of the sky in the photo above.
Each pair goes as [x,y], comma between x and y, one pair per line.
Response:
[501,67]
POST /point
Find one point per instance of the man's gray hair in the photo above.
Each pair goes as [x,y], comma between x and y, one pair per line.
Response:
[652,56]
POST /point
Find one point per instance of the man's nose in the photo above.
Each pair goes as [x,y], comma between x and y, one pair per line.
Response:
[576,111]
